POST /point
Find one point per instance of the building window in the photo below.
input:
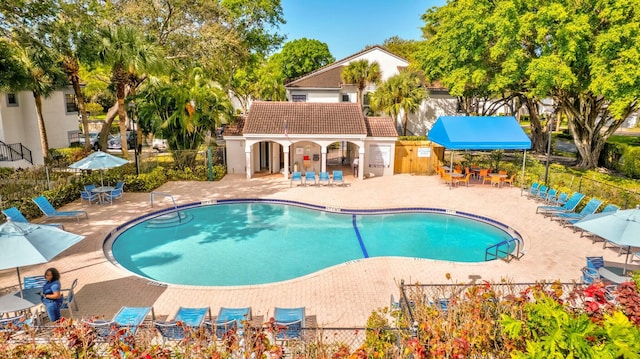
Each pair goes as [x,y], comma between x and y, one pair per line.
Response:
[299,98]
[366,100]
[12,100]
[70,102]
[345,97]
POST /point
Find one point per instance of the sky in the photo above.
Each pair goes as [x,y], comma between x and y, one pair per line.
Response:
[348,26]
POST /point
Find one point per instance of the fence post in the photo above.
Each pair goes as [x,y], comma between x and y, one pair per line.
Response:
[580,184]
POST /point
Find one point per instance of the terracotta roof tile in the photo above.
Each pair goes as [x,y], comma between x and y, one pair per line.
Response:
[327,79]
[235,129]
[305,118]
[380,127]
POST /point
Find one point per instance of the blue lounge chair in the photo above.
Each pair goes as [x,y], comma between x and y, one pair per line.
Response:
[533,190]
[560,199]
[228,320]
[310,178]
[590,208]
[289,322]
[185,321]
[541,193]
[607,208]
[549,195]
[337,178]
[14,215]
[130,318]
[43,203]
[569,206]
[296,177]
[323,178]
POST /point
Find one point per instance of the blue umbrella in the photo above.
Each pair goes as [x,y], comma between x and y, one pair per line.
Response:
[99,161]
[621,227]
[24,244]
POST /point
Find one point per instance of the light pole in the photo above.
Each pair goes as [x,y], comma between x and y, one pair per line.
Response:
[546,167]
[132,106]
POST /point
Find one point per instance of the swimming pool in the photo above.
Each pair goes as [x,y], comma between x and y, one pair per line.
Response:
[248,242]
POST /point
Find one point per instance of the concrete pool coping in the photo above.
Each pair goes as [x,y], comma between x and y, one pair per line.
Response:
[343,295]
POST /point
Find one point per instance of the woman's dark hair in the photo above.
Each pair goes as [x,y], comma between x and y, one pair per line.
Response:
[54,273]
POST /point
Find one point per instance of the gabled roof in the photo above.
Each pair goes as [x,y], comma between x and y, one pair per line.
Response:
[380,127]
[305,118]
[329,76]
[235,128]
[479,133]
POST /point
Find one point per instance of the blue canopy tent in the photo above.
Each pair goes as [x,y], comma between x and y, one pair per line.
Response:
[480,133]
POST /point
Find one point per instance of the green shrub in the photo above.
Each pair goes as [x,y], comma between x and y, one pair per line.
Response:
[629,163]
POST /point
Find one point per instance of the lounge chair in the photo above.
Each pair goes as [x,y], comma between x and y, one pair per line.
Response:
[590,208]
[323,179]
[549,195]
[228,321]
[14,215]
[310,178]
[296,177]
[130,318]
[185,321]
[560,199]
[608,208]
[569,206]
[289,322]
[337,178]
[533,190]
[541,193]
[50,212]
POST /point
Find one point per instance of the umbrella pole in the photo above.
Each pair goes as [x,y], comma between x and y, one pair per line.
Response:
[626,261]
[19,282]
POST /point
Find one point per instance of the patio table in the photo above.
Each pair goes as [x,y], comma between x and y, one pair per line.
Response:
[101,191]
[13,302]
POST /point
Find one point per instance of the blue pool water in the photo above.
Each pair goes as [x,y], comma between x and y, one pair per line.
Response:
[257,243]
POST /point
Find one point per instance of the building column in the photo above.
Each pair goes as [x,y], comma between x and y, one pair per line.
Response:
[323,158]
[286,162]
[361,163]
[247,161]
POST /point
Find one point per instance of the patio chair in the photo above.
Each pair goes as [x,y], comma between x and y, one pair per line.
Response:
[310,178]
[549,195]
[590,271]
[184,322]
[541,193]
[289,322]
[50,212]
[464,179]
[533,189]
[560,199]
[88,194]
[69,298]
[323,179]
[509,180]
[35,281]
[296,177]
[495,180]
[484,173]
[569,206]
[14,215]
[14,325]
[337,178]
[228,321]
[590,208]
[114,194]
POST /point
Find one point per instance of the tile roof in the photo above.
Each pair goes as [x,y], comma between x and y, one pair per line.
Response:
[332,78]
[235,129]
[310,118]
[380,127]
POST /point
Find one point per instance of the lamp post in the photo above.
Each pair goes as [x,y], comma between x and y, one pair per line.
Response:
[132,106]
[546,167]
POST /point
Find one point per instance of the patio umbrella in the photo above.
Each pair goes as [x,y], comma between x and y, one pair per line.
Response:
[99,161]
[621,227]
[23,244]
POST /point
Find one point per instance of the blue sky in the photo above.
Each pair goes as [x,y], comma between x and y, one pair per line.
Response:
[347,26]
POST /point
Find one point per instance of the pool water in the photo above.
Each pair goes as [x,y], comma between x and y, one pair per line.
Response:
[257,243]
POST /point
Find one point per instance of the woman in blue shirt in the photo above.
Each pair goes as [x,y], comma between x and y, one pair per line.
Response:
[51,296]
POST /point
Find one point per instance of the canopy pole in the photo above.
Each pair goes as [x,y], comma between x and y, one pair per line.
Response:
[524,160]
[451,170]
[19,282]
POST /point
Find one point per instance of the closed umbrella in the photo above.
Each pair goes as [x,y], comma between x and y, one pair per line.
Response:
[621,227]
[23,244]
[99,161]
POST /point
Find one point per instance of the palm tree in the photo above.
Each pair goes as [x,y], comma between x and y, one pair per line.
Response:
[130,56]
[361,73]
[402,93]
[44,76]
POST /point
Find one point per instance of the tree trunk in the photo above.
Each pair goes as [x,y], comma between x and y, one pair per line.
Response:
[44,142]
[71,68]
[405,119]
[539,133]
[104,132]
[122,123]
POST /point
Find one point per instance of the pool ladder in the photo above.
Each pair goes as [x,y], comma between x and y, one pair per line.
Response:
[175,206]
[505,250]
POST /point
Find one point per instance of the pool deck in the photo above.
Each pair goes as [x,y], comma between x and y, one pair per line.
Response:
[340,296]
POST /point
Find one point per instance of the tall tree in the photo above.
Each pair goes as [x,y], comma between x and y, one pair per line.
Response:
[131,56]
[406,49]
[361,73]
[401,94]
[301,56]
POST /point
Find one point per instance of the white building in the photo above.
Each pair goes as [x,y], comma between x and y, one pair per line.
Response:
[20,144]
